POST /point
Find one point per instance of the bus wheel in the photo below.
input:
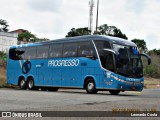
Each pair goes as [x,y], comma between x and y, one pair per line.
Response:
[22,84]
[90,87]
[114,92]
[31,84]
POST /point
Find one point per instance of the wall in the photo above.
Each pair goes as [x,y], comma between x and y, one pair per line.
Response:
[7,40]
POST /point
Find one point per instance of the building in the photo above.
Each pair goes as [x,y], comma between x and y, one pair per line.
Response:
[7,40]
[20,31]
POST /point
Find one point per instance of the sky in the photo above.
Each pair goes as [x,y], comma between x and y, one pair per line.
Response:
[54,18]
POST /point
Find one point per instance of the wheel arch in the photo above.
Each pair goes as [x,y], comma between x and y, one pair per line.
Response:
[30,77]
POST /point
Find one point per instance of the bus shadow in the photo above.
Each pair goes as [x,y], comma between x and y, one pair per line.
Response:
[82,92]
[98,94]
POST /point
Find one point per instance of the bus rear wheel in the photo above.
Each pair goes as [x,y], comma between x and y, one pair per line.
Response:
[114,92]
[31,84]
[90,87]
[22,83]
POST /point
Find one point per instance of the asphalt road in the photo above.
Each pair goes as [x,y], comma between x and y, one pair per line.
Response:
[77,100]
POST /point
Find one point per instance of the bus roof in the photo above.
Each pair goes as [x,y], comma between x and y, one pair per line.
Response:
[113,40]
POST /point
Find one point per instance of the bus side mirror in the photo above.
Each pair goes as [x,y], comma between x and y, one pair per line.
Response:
[148,58]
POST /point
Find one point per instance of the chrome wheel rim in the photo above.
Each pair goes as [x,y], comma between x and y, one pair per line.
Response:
[22,83]
[90,86]
[30,85]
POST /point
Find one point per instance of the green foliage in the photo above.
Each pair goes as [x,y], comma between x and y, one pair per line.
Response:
[110,31]
[3,59]
[154,51]
[152,70]
[102,30]
[141,45]
[3,56]
[27,36]
[3,26]
[78,32]
[41,39]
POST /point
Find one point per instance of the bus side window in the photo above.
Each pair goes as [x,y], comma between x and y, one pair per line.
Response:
[55,51]
[70,50]
[85,49]
[101,45]
[42,51]
[30,53]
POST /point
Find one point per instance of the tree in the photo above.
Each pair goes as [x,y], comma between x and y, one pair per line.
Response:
[3,55]
[41,39]
[102,30]
[154,51]
[78,32]
[110,31]
[158,52]
[141,44]
[3,26]
[27,37]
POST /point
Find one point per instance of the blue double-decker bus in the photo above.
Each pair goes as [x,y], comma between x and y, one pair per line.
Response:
[91,62]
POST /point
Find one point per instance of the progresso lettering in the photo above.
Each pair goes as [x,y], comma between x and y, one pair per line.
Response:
[65,63]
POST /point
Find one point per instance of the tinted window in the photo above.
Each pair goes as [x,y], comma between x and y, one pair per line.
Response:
[85,49]
[70,50]
[30,53]
[55,51]
[42,51]
[101,45]
[109,62]
[17,53]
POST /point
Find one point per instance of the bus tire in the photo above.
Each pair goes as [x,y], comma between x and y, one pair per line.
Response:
[114,92]
[90,87]
[22,83]
[30,84]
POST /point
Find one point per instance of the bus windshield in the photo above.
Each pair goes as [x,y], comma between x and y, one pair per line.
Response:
[129,61]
